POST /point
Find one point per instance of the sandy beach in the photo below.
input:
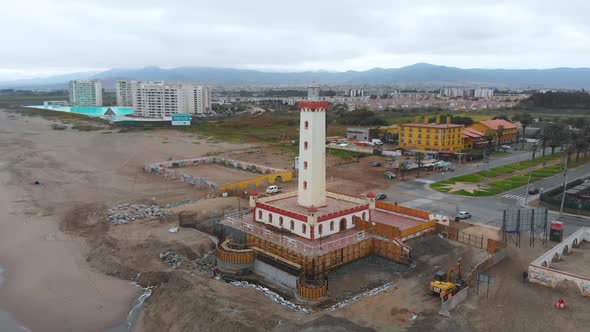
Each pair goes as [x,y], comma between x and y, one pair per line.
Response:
[49,285]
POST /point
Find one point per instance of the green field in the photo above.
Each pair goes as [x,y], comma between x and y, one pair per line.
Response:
[509,183]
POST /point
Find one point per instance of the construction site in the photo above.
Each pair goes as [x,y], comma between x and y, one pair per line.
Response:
[207,248]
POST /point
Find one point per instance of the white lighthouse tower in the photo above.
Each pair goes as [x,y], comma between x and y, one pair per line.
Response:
[312,150]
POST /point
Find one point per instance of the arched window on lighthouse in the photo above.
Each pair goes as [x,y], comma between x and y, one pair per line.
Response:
[270,218]
[306,125]
[304,228]
[305,145]
[304,184]
[292,225]
[305,165]
[281,221]
[332,225]
[259,214]
[320,228]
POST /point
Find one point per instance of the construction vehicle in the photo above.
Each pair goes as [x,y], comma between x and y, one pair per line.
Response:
[449,283]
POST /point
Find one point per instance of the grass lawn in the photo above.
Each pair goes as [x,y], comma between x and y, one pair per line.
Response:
[510,183]
[517,167]
[467,178]
[507,185]
[503,170]
[489,174]
[499,153]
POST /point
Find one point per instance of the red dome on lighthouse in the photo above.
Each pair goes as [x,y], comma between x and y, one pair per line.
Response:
[312,209]
[371,195]
[253,193]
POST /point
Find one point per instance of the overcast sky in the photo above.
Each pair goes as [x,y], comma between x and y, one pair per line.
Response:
[46,37]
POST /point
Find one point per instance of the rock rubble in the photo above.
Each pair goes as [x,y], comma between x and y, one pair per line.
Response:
[206,263]
[125,213]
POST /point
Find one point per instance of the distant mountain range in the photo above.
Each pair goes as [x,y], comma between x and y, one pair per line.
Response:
[418,74]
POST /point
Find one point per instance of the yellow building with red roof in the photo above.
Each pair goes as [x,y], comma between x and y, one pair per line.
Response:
[508,134]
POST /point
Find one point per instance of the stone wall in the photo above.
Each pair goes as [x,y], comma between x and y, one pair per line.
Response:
[540,271]
[450,304]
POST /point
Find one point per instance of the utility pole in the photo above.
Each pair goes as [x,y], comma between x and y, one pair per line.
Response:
[526,196]
[564,186]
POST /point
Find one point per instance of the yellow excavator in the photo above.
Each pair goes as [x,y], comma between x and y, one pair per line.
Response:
[449,283]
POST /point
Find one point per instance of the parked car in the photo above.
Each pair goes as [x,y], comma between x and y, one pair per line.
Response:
[375,164]
[533,191]
[389,175]
[273,190]
[380,196]
[505,147]
[463,215]
[376,141]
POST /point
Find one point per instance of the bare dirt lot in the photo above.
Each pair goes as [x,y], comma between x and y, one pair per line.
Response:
[576,262]
[216,173]
[68,269]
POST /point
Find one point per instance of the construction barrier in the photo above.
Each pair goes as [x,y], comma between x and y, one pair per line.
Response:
[235,256]
[391,250]
[448,232]
[402,210]
[494,246]
[318,265]
[418,228]
[386,231]
[311,292]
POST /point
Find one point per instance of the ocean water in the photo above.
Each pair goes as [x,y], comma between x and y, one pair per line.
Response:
[87,110]
[7,322]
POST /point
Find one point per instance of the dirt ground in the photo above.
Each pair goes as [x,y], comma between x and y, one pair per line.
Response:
[576,262]
[514,305]
[215,173]
[67,269]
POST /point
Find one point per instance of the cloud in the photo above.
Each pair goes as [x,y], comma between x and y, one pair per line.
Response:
[50,35]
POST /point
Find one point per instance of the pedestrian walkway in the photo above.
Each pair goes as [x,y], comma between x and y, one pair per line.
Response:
[512,196]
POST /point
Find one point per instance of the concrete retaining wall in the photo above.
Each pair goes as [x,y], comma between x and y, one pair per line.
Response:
[487,264]
[275,276]
[235,268]
[540,271]
[450,304]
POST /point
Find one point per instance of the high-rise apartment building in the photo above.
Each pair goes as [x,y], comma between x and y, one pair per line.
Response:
[160,99]
[202,99]
[124,93]
[85,93]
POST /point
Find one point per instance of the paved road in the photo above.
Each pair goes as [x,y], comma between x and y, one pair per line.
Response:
[485,210]
[493,162]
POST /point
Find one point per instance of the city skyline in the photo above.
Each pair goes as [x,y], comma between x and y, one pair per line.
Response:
[97,35]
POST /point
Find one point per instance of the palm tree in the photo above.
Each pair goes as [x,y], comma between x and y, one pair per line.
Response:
[499,134]
[419,156]
[490,138]
[403,167]
[534,148]
[525,120]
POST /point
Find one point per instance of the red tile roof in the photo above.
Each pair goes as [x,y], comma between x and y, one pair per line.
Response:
[472,133]
[430,125]
[493,124]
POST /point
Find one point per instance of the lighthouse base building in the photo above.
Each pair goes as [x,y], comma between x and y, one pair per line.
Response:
[293,240]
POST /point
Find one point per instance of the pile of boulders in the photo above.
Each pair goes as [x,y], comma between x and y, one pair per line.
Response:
[125,213]
[174,260]
[179,203]
[206,263]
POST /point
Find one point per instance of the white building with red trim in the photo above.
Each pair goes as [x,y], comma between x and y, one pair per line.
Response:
[311,212]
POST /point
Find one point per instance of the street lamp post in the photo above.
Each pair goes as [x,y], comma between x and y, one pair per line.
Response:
[564,186]
[526,196]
